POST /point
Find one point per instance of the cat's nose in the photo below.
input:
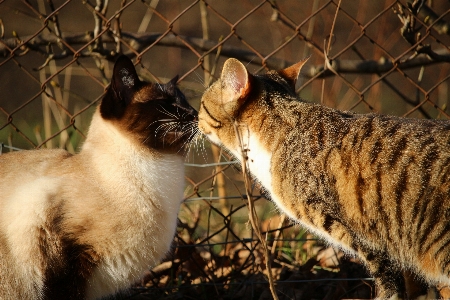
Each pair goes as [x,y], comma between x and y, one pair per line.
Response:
[193,112]
[190,110]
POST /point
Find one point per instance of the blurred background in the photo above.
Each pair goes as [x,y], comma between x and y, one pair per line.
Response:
[384,56]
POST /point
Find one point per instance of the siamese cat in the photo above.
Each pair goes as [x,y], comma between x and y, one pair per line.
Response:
[88,225]
[376,186]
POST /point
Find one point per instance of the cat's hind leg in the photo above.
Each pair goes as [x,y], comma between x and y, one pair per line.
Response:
[393,283]
[416,288]
[389,280]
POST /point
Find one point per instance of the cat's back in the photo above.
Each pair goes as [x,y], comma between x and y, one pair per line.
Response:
[369,138]
[395,142]
[30,179]
[410,156]
[368,125]
[31,161]
[22,168]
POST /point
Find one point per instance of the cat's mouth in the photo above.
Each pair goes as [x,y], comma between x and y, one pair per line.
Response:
[201,126]
[172,134]
[205,128]
[187,110]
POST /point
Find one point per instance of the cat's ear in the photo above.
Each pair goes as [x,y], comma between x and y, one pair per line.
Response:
[235,79]
[171,88]
[125,79]
[124,83]
[291,73]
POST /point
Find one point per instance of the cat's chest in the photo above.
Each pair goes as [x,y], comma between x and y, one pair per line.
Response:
[259,160]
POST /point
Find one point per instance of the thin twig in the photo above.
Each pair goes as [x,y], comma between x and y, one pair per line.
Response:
[326,51]
[98,24]
[253,216]
[56,25]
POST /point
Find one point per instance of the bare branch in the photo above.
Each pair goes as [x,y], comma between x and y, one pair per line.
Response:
[380,66]
[428,16]
[411,34]
[140,41]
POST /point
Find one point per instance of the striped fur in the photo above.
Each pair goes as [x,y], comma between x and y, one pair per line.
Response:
[376,186]
[85,226]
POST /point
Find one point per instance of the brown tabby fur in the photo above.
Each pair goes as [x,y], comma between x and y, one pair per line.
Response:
[85,226]
[377,186]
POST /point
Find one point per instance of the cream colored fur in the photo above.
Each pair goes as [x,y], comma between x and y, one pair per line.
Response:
[116,195]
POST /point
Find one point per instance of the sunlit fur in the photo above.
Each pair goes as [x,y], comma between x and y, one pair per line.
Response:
[85,226]
[376,186]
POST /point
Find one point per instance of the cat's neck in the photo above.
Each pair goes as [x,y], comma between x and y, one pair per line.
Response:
[305,126]
[124,166]
[299,120]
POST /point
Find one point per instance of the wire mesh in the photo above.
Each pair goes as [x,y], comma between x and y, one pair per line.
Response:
[386,56]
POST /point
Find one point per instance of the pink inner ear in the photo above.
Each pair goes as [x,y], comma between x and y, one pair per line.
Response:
[235,77]
[243,84]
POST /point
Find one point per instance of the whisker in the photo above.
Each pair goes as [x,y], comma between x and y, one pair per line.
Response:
[160,120]
[190,140]
[160,87]
[203,152]
[162,126]
[186,129]
[169,113]
[200,80]
[185,133]
[171,126]
[183,130]
[180,134]
[168,127]
[198,142]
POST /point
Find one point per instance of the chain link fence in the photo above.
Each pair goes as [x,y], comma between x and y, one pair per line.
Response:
[387,56]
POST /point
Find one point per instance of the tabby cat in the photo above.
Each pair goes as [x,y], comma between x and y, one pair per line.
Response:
[376,186]
[85,226]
